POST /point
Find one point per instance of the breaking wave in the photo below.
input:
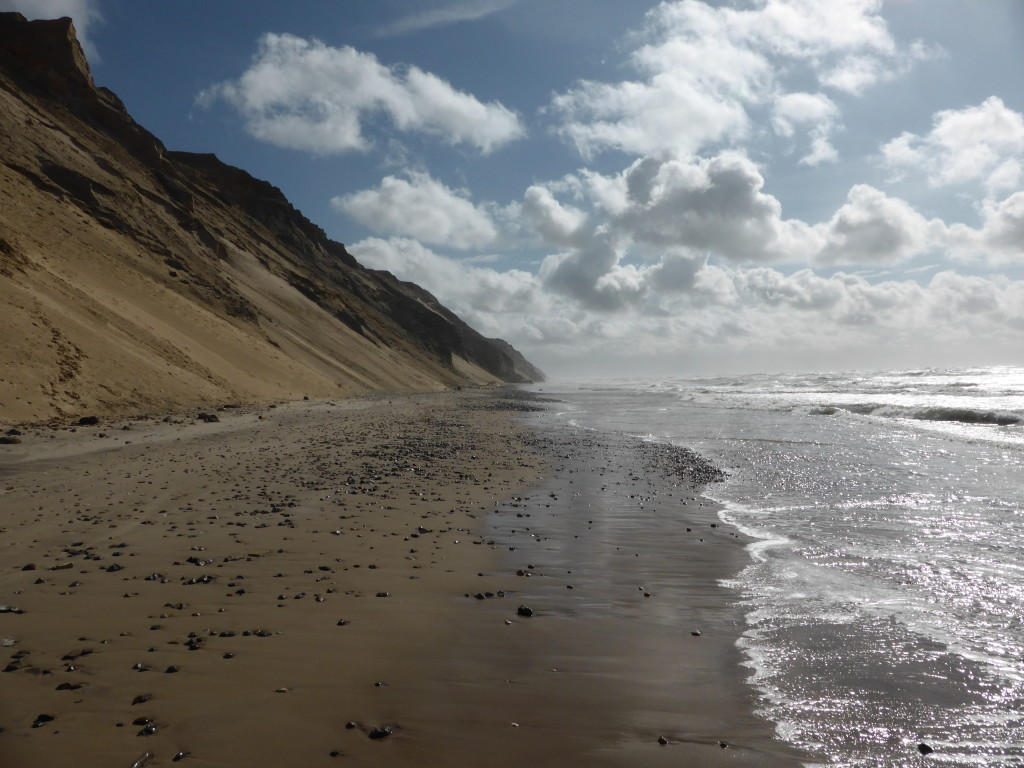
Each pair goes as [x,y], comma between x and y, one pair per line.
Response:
[929,413]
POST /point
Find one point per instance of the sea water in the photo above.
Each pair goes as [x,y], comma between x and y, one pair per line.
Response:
[884,598]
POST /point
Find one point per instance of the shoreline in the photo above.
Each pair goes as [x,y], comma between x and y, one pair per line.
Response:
[300,515]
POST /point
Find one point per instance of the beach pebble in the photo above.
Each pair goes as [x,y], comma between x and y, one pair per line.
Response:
[523,610]
[179,756]
[662,740]
[924,749]
[42,719]
[381,733]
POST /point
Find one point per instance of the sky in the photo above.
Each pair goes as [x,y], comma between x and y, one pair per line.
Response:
[625,187]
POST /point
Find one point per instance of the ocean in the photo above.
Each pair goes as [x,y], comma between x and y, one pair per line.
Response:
[884,598]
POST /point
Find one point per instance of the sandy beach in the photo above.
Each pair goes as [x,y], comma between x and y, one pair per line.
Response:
[347,582]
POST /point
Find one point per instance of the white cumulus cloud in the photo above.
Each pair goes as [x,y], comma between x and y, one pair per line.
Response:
[703,70]
[814,112]
[872,228]
[303,94]
[980,143]
[999,241]
[423,208]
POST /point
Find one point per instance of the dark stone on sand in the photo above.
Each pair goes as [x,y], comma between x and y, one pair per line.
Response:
[342,622]
[88,421]
[172,669]
[29,567]
[42,719]
[114,568]
[924,749]
[523,610]
[148,730]
[13,431]
[142,698]
[351,724]
[179,756]
[9,440]
[695,633]
[209,418]
[381,733]
[662,740]
[383,594]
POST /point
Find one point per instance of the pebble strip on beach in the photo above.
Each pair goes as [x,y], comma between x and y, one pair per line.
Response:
[319,581]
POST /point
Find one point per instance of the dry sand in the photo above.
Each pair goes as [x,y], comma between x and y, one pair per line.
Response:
[274,586]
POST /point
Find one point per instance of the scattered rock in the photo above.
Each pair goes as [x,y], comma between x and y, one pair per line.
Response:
[523,610]
[662,740]
[924,749]
[381,733]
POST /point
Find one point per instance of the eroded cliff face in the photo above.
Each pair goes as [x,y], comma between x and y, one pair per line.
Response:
[136,279]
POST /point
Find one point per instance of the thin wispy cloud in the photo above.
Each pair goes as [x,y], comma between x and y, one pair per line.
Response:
[455,13]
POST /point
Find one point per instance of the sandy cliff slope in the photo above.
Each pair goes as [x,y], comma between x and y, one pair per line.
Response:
[136,279]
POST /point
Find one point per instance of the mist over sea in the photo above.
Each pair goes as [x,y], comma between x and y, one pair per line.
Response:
[884,599]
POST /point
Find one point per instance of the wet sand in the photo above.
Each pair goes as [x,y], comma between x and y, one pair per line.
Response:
[281,585]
